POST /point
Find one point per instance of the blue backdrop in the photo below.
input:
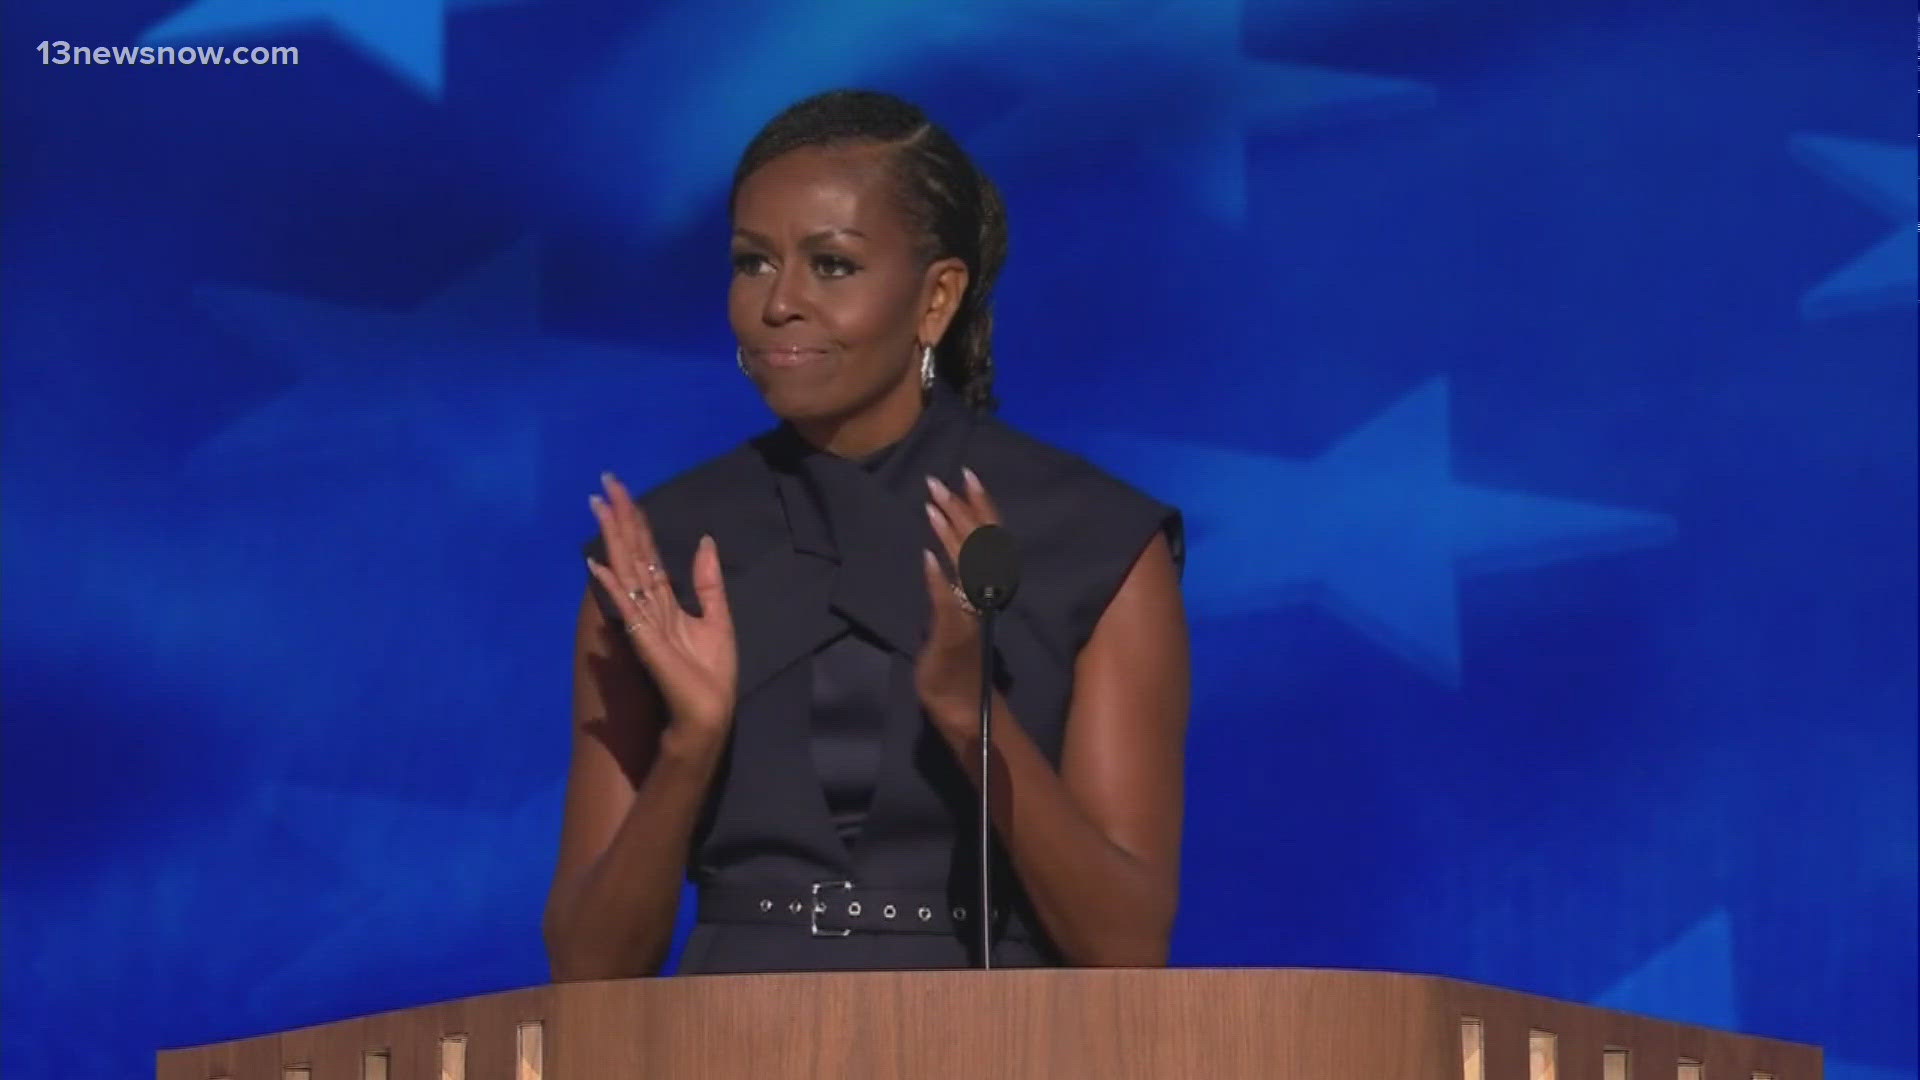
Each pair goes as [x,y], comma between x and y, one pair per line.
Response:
[1538,378]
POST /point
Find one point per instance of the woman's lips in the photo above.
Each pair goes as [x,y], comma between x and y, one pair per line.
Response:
[788,358]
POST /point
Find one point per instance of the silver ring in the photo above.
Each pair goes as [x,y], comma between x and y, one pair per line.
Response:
[633,627]
[966,605]
[636,596]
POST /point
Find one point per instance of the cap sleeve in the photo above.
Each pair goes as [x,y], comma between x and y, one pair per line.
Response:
[1122,529]
[1080,530]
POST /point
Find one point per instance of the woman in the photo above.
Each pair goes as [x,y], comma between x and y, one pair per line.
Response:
[776,682]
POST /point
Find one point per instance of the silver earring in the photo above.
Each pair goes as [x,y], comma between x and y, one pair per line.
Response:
[926,367]
[740,358]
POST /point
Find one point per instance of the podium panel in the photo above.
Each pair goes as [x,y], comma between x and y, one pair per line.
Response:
[1045,1024]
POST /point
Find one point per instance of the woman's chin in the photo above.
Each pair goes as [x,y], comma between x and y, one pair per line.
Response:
[804,404]
[821,398]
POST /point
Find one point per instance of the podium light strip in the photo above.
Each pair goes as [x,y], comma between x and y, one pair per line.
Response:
[1690,1070]
[453,1057]
[373,1065]
[1543,1056]
[1473,1061]
[531,1058]
[1614,1064]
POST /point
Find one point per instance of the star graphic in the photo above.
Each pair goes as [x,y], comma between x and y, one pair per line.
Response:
[1180,72]
[1377,527]
[1692,979]
[408,37]
[1841,1069]
[462,391]
[1077,75]
[401,867]
[1881,175]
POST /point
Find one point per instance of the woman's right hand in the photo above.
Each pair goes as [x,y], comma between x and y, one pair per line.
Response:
[691,658]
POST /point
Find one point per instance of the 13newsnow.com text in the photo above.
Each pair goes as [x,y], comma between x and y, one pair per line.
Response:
[62,52]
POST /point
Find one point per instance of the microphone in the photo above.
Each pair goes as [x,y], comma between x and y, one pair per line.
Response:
[989,568]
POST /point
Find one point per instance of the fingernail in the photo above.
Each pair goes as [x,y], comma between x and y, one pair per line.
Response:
[933,514]
[593,501]
[934,484]
[972,480]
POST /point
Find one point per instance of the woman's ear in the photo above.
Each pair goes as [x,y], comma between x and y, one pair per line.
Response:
[946,284]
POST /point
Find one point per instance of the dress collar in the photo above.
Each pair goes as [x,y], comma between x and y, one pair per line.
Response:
[868,524]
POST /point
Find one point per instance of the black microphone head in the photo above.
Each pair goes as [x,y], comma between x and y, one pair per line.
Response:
[989,566]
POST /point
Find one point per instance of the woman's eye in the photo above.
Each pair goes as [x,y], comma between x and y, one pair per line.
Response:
[747,263]
[832,266]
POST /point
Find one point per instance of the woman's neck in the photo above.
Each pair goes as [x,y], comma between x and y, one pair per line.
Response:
[865,431]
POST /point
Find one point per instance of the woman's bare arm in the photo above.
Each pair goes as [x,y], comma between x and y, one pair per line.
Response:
[1097,843]
[634,791]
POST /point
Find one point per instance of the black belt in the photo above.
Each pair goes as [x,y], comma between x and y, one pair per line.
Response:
[838,908]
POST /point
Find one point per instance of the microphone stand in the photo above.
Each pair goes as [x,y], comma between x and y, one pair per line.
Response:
[986,824]
[989,569]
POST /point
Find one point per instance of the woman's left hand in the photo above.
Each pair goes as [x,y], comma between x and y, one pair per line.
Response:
[947,671]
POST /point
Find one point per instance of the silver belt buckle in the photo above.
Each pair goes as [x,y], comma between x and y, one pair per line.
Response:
[819,905]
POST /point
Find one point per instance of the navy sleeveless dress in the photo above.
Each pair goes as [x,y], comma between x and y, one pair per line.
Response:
[833,785]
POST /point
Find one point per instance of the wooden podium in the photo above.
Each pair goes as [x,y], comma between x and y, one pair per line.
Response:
[1056,1024]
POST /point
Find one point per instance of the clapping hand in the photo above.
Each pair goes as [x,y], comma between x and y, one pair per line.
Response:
[947,671]
[692,658]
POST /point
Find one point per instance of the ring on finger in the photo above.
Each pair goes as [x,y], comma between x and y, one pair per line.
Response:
[966,605]
[636,596]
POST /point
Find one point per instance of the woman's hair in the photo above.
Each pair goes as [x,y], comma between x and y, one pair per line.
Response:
[953,206]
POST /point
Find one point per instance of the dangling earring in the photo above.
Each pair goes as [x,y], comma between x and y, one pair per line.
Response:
[740,359]
[926,367]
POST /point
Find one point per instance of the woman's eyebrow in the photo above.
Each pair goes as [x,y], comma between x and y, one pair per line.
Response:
[807,240]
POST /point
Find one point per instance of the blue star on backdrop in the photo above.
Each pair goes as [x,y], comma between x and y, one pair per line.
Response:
[1693,977]
[1182,75]
[1882,176]
[1377,527]
[407,37]
[483,859]
[462,391]
[1079,77]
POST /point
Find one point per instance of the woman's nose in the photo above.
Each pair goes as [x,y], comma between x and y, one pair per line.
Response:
[783,300]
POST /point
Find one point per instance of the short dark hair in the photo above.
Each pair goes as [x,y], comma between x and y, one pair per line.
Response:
[956,209]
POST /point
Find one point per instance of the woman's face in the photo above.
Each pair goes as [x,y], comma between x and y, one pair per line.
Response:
[829,299]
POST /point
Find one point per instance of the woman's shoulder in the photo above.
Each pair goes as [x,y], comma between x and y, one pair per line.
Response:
[1058,500]
[1033,467]
[709,495]
[1081,528]
[725,475]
